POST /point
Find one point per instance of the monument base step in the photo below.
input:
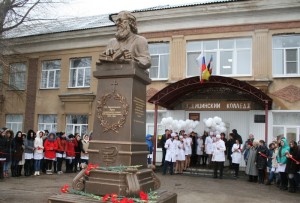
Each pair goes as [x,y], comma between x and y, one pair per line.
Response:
[164,197]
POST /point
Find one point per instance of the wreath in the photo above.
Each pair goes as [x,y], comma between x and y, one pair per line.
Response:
[103,122]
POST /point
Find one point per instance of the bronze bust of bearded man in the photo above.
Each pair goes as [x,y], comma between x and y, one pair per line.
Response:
[127,45]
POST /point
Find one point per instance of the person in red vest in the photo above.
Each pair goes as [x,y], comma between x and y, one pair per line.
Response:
[50,147]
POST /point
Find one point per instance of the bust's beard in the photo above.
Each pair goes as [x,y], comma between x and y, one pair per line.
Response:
[122,33]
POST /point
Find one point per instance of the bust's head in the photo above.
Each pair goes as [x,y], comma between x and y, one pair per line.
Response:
[126,24]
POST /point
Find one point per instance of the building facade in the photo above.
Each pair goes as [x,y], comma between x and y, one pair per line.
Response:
[256,42]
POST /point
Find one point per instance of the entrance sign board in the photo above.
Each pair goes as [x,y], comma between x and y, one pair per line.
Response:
[217,106]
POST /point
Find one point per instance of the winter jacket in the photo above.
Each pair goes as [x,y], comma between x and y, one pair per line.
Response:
[251,168]
[61,143]
[84,145]
[291,166]
[17,149]
[281,158]
[261,161]
[29,145]
[70,148]
[3,147]
[50,147]
[38,144]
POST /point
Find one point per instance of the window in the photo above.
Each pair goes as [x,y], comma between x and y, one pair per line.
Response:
[14,122]
[286,54]
[50,74]
[80,72]
[47,122]
[17,76]
[77,124]
[231,57]
[159,61]
[286,124]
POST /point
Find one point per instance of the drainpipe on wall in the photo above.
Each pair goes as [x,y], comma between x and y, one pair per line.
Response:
[266,120]
[155,132]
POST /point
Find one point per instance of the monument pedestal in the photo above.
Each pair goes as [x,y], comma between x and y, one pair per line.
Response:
[118,138]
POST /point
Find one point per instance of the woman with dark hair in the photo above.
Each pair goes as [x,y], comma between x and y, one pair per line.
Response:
[292,167]
[282,159]
[261,161]
[29,149]
[9,136]
[3,149]
[50,147]
[61,151]
[17,151]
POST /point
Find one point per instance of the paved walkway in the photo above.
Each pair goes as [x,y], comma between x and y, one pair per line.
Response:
[190,189]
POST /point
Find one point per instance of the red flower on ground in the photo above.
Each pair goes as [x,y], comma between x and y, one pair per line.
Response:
[114,198]
[65,188]
[90,167]
[125,200]
[143,196]
[105,197]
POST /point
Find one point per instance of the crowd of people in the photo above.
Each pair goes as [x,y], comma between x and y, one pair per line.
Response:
[279,163]
[41,151]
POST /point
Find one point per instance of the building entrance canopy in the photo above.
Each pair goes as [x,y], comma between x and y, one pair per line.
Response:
[218,88]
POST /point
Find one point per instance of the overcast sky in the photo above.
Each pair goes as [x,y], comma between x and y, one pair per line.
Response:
[76,8]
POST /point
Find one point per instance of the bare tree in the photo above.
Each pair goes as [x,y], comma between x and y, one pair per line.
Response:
[14,14]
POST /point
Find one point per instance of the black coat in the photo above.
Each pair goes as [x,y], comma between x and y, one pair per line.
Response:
[291,166]
[3,147]
[261,161]
[17,147]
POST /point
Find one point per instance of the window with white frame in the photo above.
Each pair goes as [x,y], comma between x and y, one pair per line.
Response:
[77,124]
[47,122]
[286,54]
[50,74]
[17,76]
[14,122]
[159,53]
[80,72]
[231,57]
[286,124]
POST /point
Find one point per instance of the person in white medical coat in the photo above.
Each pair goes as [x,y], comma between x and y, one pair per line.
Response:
[171,147]
[218,156]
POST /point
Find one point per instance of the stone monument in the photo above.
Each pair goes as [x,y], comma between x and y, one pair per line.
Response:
[120,121]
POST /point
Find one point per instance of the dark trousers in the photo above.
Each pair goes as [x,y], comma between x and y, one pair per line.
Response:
[261,175]
[59,163]
[14,168]
[166,165]
[284,180]
[49,164]
[252,178]
[69,165]
[204,159]
[1,170]
[218,165]
[236,168]
[164,151]
[28,167]
[292,182]
[77,161]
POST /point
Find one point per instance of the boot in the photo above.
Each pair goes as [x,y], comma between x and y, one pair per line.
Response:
[17,171]
[12,169]
[20,170]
